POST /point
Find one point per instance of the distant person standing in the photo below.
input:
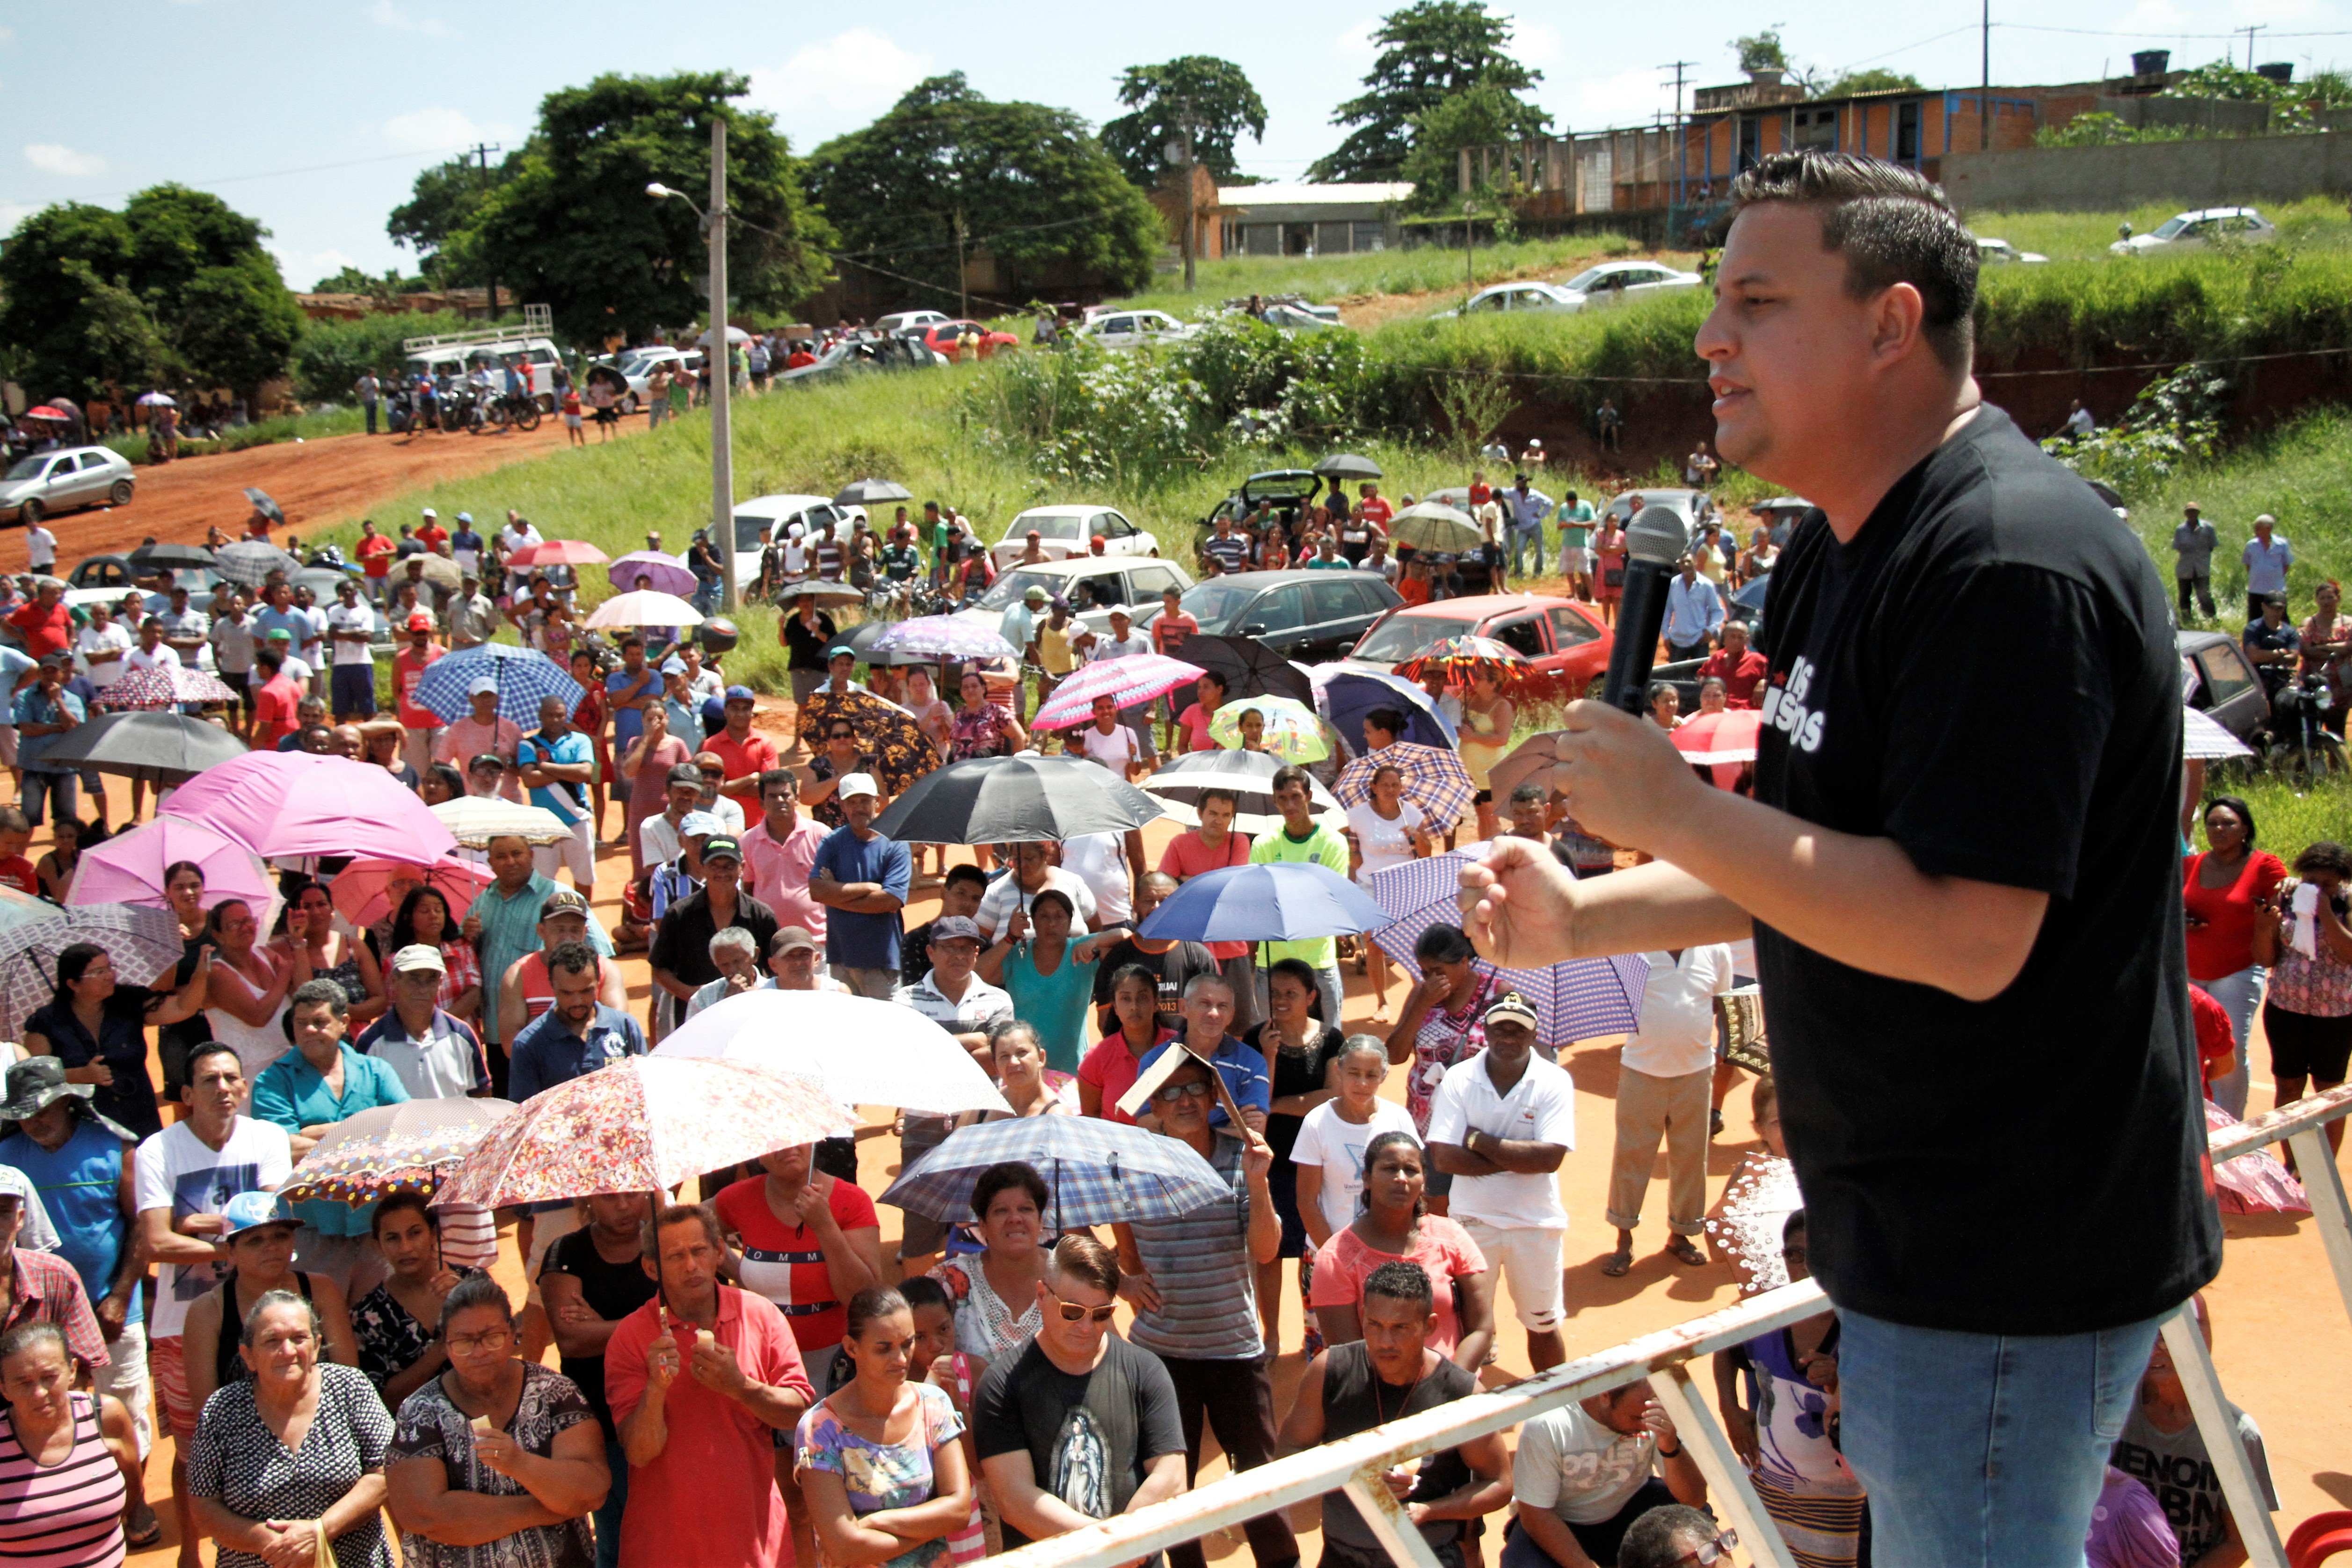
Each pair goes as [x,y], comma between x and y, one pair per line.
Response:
[2267,556]
[2192,546]
[369,392]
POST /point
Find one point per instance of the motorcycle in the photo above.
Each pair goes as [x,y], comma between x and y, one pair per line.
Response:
[512,408]
[2298,737]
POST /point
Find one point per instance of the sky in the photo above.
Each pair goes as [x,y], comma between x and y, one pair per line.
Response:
[317,116]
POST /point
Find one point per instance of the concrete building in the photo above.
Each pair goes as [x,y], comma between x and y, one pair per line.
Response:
[1309,220]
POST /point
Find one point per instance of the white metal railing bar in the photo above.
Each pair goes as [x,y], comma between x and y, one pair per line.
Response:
[1356,1463]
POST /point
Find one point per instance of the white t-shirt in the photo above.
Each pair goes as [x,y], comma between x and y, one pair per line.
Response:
[1581,1470]
[40,548]
[353,618]
[1675,1035]
[1385,841]
[1099,860]
[296,669]
[177,1172]
[314,647]
[102,652]
[1540,1109]
[996,904]
[139,658]
[1113,751]
[1107,647]
[1329,1139]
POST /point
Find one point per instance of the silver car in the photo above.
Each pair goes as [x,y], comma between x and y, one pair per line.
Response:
[50,482]
[2189,230]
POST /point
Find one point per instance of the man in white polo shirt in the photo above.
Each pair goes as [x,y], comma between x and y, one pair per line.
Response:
[1500,1125]
[960,1002]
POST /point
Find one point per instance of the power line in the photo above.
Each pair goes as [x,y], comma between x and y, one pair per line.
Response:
[442,153]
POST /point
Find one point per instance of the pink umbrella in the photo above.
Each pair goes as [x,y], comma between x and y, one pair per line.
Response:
[129,868]
[361,887]
[1138,677]
[291,803]
[558,553]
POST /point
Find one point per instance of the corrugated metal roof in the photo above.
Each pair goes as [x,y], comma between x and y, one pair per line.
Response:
[1296,196]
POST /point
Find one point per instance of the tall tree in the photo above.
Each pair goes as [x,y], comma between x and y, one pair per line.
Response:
[1030,183]
[445,199]
[570,224]
[1478,117]
[1210,97]
[1429,52]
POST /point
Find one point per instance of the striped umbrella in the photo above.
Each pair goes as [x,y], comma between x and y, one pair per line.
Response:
[524,676]
[250,561]
[1293,732]
[1463,656]
[665,574]
[2202,737]
[1099,1172]
[165,686]
[1579,1000]
[143,943]
[1136,678]
[1434,780]
[941,636]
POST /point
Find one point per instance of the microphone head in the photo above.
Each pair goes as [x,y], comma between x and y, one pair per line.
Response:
[1657,534]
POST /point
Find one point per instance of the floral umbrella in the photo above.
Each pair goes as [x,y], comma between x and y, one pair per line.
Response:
[885,732]
[1293,732]
[639,1124]
[942,638]
[392,1148]
[165,686]
[1462,656]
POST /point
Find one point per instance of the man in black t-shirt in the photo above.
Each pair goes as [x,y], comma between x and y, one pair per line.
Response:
[1962,838]
[1172,963]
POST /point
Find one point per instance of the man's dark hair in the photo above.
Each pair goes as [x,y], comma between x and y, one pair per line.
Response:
[1399,1281]
[1664,1537]
[1891,226]
[269,659]
[572,958]
[960,874]
[771,777]
[1530,790]
[1289,774]
[202,1050]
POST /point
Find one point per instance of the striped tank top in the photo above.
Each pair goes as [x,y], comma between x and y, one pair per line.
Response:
[66,1515]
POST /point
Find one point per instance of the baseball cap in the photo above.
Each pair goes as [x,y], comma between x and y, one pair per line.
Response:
[279,634]
[486,761]
[840,650]
[562,902]
[469,574]
[672,666]
[1098,539]
[952,927]
[482,685]
[251,1211]
[430,512]
[465,517]
[700,825]
[420,622]
[741,694]
[1121,613]
[1512,1005]
[418,955]
[858,785]
[788,939]
[1036,593]
[723,847]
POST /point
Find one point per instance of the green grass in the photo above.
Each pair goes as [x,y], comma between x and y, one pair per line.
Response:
[2300,474]
[2084,237]
[2287,819]
[260,433]
[1417,270]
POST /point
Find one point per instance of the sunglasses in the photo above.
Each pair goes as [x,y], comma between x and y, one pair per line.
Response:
[1173,1093]
[714,773]
[1712,1551]
[1072,1311]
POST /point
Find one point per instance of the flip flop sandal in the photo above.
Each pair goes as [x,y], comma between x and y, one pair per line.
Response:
[1617,1265]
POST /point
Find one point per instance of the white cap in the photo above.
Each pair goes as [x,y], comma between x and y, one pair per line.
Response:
[430,512]
[483,683]
[856,785]
[416,956]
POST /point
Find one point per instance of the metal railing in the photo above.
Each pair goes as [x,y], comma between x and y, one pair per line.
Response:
[1357,1464]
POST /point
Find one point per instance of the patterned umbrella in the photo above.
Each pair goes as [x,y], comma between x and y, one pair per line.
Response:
[1249,775]
[665,574]
[558,553]
[1138,677]
[1434,780]
[1293,732]
[1715,739]
[886,731]
[129,868]
[645,608]
[143,943]
[473,820]
[165,686]
[942,638]
[1100,1172]
[524,676]
[248,561]
[638,1124]
[1577,1000]
[2201,736]
[359,888]
[901,1058]
[392,1148]
[291,803]
[1461,656]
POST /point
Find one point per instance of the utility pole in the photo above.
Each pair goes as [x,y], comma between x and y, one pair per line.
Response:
[1984,78]
[483,154]
[963,294]
[2249,32]
[722,367]
[1469,252]
[1682,138]
[1191,214]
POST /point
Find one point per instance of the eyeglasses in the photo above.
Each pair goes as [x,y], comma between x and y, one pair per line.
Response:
[467,1344]
[1711,1552]
[1173,1093]
[1074,1310]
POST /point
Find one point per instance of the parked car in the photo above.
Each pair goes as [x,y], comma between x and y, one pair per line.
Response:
[1696,507]
[2000,252]
[909,321]
[756,519]
[1288,489]
[2207,225]
[1091,583]
[1611,282]
[47,483]
[1563,638]
[1067,530]
[2228,689]
[853,355]
[942,338]
[457,354]
[1307,615]
[1301,318]
[1134,329]
[637,367]
[1496,298]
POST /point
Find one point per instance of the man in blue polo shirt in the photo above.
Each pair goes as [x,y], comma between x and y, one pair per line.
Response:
[861,879]
[1208,1008]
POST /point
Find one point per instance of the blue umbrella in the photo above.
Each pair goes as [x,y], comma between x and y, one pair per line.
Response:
[1290,901]
[524,676]
[1345,695]
[1579,1000]
[1099,1172]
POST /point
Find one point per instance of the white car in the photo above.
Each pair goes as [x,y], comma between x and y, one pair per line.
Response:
[1611,282]
[890,326]
[1091,584]
[757,519]
[2205,227]
[47,483]
[1064,532]
[1133,329]
[1996,252]
[1522,296]
[637,367]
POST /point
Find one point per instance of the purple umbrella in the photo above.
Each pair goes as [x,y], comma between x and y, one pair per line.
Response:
[291,803]
[666,573]
[129,868]
[942,637]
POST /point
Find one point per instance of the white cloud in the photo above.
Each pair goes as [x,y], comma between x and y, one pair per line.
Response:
[838,83]
[55,158]
[302,268]
[1537,44]
[384,14]
[441,130]
[1597,102]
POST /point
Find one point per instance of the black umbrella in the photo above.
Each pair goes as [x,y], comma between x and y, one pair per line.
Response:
[1011,800]
[263,504]
[170,558]
[159,747]
[872,493]
[1249,667]
[1347,465]
[827,594]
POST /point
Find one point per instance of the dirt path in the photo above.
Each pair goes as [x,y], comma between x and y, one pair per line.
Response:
[317,482]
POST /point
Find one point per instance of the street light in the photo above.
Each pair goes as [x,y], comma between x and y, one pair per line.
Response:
[717,359]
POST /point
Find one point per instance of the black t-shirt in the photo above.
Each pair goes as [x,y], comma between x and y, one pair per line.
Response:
[1172,970]
[1987,675]
[1088,1439]
[1293,1072]
[1357,1399]
[612,1290]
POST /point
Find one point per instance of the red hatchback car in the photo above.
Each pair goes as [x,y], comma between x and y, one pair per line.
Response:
[943,337]
[1563,638]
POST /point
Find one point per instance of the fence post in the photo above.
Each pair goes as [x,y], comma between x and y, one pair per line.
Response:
[1726,1475]
[2323,1185]
[2240,1488]
[1385,1517]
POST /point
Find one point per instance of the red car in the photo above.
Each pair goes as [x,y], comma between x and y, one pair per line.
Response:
[944,337]
[1562,639]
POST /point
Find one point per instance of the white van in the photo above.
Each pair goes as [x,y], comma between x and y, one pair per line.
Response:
[457,353]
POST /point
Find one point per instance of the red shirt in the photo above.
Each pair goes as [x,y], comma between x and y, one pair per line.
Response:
[276,711]
[783,1263]
[1375,508]
[433,535]
[46,631]
[2225,944]
[1169,632]
[407,669]
[1480,493]
[1739,681]
[1186,856]
[752,755]
[1111,1068]
[375,555]
[16,872]
[2215,1037]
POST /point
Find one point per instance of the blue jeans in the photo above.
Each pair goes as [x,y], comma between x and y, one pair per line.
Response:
[2239,994]
[1520,539]
[1984,1450]
[617,1502]
[60,790]
[370,405]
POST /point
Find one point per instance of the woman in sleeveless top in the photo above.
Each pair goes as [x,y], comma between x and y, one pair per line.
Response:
[245,995]
[1487,716]
[331,955]
[66,1458]
[261,1259]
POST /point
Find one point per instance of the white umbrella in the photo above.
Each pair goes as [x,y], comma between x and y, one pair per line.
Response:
[474,820]
[158,400]
[864,1052]
[734,335]
[645,608]
[2202,738]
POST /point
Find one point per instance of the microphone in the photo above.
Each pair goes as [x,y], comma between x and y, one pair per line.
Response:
[1655,546]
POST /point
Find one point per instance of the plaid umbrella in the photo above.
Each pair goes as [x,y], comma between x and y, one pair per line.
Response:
[558,553]
[1099,1172]
[1249,775]
[474,820]
[645,609]
[165,686]
[1293,732]
[143,943]
[1434,780]
[942,638]
[248,561]
[524,676]
[885,730]
[1136,677]
[392,1148]
[638,1124]
[902,1058]
[1577,1000]
[1462,656]
[665,573]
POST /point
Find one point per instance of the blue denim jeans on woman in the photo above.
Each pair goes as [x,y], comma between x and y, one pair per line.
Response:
[1984,1450]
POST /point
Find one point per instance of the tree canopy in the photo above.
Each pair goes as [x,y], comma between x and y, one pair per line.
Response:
[1211,96]
[1430,51]
[174,288]
[1031,184]
[1876,79]
[443,203]
[568,223]
[1475,117]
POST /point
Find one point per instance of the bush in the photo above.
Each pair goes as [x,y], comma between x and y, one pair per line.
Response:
[2172,422]
[333,354]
